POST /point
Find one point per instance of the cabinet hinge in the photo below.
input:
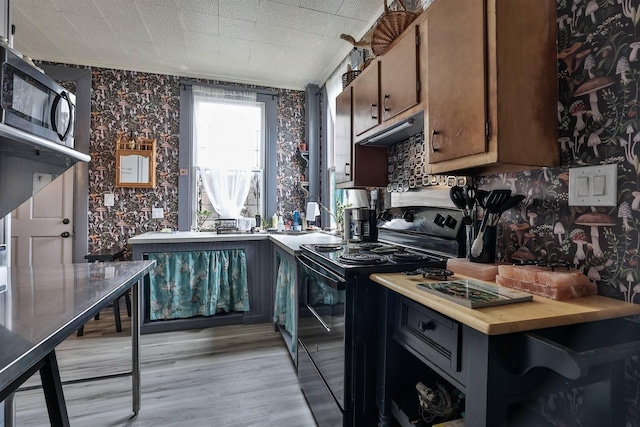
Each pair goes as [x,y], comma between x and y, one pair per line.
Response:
[487,129]
[417,39]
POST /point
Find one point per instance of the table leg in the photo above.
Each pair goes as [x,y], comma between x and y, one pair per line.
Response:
[10,410]
[487,383]
[135,345]
[52,387]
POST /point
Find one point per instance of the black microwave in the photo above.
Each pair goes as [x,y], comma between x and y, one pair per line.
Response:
[34,103]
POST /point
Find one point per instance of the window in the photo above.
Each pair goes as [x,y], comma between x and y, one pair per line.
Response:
[228,136]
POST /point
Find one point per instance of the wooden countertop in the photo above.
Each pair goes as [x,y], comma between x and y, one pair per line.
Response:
[517,317]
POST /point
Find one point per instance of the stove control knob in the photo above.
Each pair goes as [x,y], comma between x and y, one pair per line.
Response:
[439,220]
[450,221]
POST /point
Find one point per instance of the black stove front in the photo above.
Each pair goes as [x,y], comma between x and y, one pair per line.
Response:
[337,308]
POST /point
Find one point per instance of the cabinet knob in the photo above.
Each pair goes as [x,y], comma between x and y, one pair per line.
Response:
[374,112]
[431,140]
[384,103]
[422,326]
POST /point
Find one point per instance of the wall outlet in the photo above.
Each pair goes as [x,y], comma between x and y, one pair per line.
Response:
[157,213]
[593,186]
[109,199]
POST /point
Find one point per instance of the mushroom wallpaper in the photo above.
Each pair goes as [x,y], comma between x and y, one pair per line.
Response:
[599,123]
[146,104]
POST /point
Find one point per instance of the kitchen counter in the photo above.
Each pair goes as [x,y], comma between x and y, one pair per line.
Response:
[502,355]
[260,261]
[288,241]
[517,317]
[44,305]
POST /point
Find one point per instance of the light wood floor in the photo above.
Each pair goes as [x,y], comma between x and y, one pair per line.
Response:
[224,376]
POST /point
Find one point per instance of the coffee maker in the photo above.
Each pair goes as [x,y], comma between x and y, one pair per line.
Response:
[364,225]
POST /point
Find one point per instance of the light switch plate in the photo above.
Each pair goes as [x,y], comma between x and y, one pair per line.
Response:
[109,199]
[157,213]
[601,183]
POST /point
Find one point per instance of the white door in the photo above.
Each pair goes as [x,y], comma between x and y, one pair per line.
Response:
[42,227]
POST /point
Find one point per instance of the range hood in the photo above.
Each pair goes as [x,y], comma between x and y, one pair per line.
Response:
[29,162]
[397,133]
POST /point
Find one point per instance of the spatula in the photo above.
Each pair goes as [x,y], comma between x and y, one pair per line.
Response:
[492,207]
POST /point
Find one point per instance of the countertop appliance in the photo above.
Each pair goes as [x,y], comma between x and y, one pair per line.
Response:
[33,102]
[338,311]
[364,225]
[36,130]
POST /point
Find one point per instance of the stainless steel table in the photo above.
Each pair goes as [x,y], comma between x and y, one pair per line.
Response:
[44,305]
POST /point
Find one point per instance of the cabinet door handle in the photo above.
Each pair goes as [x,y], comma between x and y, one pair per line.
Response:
[433,147]
[384,103]
[422,326]
[347,171]
[374,115]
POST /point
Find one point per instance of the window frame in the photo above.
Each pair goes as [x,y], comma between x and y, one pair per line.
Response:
[187,206]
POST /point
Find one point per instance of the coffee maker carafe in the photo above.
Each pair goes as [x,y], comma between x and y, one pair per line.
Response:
[364,225]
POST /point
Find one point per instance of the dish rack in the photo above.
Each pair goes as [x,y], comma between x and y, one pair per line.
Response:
[225,225]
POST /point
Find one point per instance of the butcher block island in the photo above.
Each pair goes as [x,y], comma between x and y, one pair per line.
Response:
[496,359]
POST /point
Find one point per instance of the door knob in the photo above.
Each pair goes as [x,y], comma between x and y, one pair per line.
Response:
[65,234]
[66,221]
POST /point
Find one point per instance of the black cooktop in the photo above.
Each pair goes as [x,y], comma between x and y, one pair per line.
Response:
[368,258]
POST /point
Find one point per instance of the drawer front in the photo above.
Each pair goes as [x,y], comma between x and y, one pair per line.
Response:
[430,334]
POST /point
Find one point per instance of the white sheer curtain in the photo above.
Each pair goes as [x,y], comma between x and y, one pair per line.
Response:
[225,169]
[227,189]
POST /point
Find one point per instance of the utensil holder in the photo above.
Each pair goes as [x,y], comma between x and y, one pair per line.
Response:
[488,254]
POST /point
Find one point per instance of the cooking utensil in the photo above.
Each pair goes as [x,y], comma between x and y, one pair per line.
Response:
[481,198]
[494,200]
[457,195]
[510,203]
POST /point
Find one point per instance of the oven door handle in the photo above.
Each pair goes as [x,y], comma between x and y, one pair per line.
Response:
[318,318]
[333,282]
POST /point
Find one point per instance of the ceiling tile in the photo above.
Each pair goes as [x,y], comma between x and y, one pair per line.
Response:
[264,51]
[236,28]
[246,10]
[140,50]
[203,56]
[43,4]
[203,6]
[77,6]
[277,14]
[313,21]
[235,47]
[176,53]
[167,36]
[302,40]
[120,8]
[272,34]
[128,28]
[200,22]
[289,2]
[202,42]
[363,10]
[291,42]
[233,61]
[90,27]
[328,6]
[159,17]
[171,4]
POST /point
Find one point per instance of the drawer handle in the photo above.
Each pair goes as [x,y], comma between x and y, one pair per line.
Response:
[433,147]
[374,116]
[422,326]
[384,103]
